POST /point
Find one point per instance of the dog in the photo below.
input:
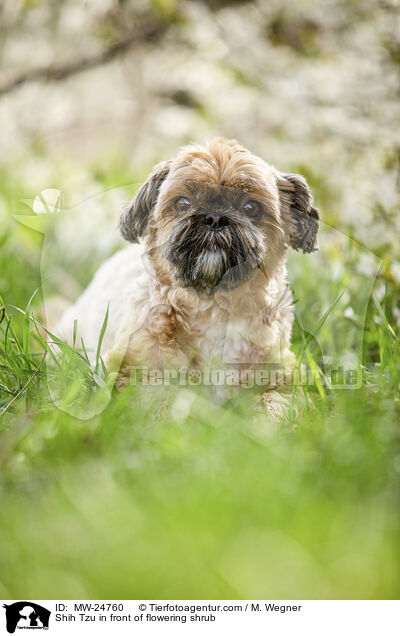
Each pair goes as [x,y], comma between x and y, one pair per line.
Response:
[204,284]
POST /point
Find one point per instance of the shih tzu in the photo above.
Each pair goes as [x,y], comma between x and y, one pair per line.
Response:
[205,285]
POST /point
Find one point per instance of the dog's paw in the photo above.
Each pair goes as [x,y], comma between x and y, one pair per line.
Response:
[275,404]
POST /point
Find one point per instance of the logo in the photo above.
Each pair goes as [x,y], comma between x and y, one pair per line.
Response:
[26,615]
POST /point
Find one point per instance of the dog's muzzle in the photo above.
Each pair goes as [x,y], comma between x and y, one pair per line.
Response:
[215,221]
[213,251]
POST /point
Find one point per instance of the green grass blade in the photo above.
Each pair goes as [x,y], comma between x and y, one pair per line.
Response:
[100,342]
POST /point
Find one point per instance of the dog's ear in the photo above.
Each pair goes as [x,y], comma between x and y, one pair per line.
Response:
[134,219]
[300,218]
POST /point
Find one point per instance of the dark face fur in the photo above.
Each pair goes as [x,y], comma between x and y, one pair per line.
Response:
[216,238]
[218,214]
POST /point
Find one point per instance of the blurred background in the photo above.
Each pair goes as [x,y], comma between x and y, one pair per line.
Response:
[92,94]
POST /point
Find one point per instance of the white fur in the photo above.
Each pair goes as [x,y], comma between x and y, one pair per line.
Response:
[228,328]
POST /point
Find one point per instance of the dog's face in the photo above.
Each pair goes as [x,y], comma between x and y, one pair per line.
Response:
[216,235]
[218,214]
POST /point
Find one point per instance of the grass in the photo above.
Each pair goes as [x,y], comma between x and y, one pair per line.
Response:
[206,500]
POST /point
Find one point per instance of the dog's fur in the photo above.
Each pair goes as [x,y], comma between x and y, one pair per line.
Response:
[192,294]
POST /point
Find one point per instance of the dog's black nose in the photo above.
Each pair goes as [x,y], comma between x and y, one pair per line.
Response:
[215,221]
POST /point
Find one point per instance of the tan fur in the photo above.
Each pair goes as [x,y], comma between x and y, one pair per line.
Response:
[154,320]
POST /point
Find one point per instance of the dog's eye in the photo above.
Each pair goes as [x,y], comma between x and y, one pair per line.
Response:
[182,204]
[251,207]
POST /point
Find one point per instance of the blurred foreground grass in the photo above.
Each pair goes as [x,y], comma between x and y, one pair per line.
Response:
[208,501]
[206,506]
